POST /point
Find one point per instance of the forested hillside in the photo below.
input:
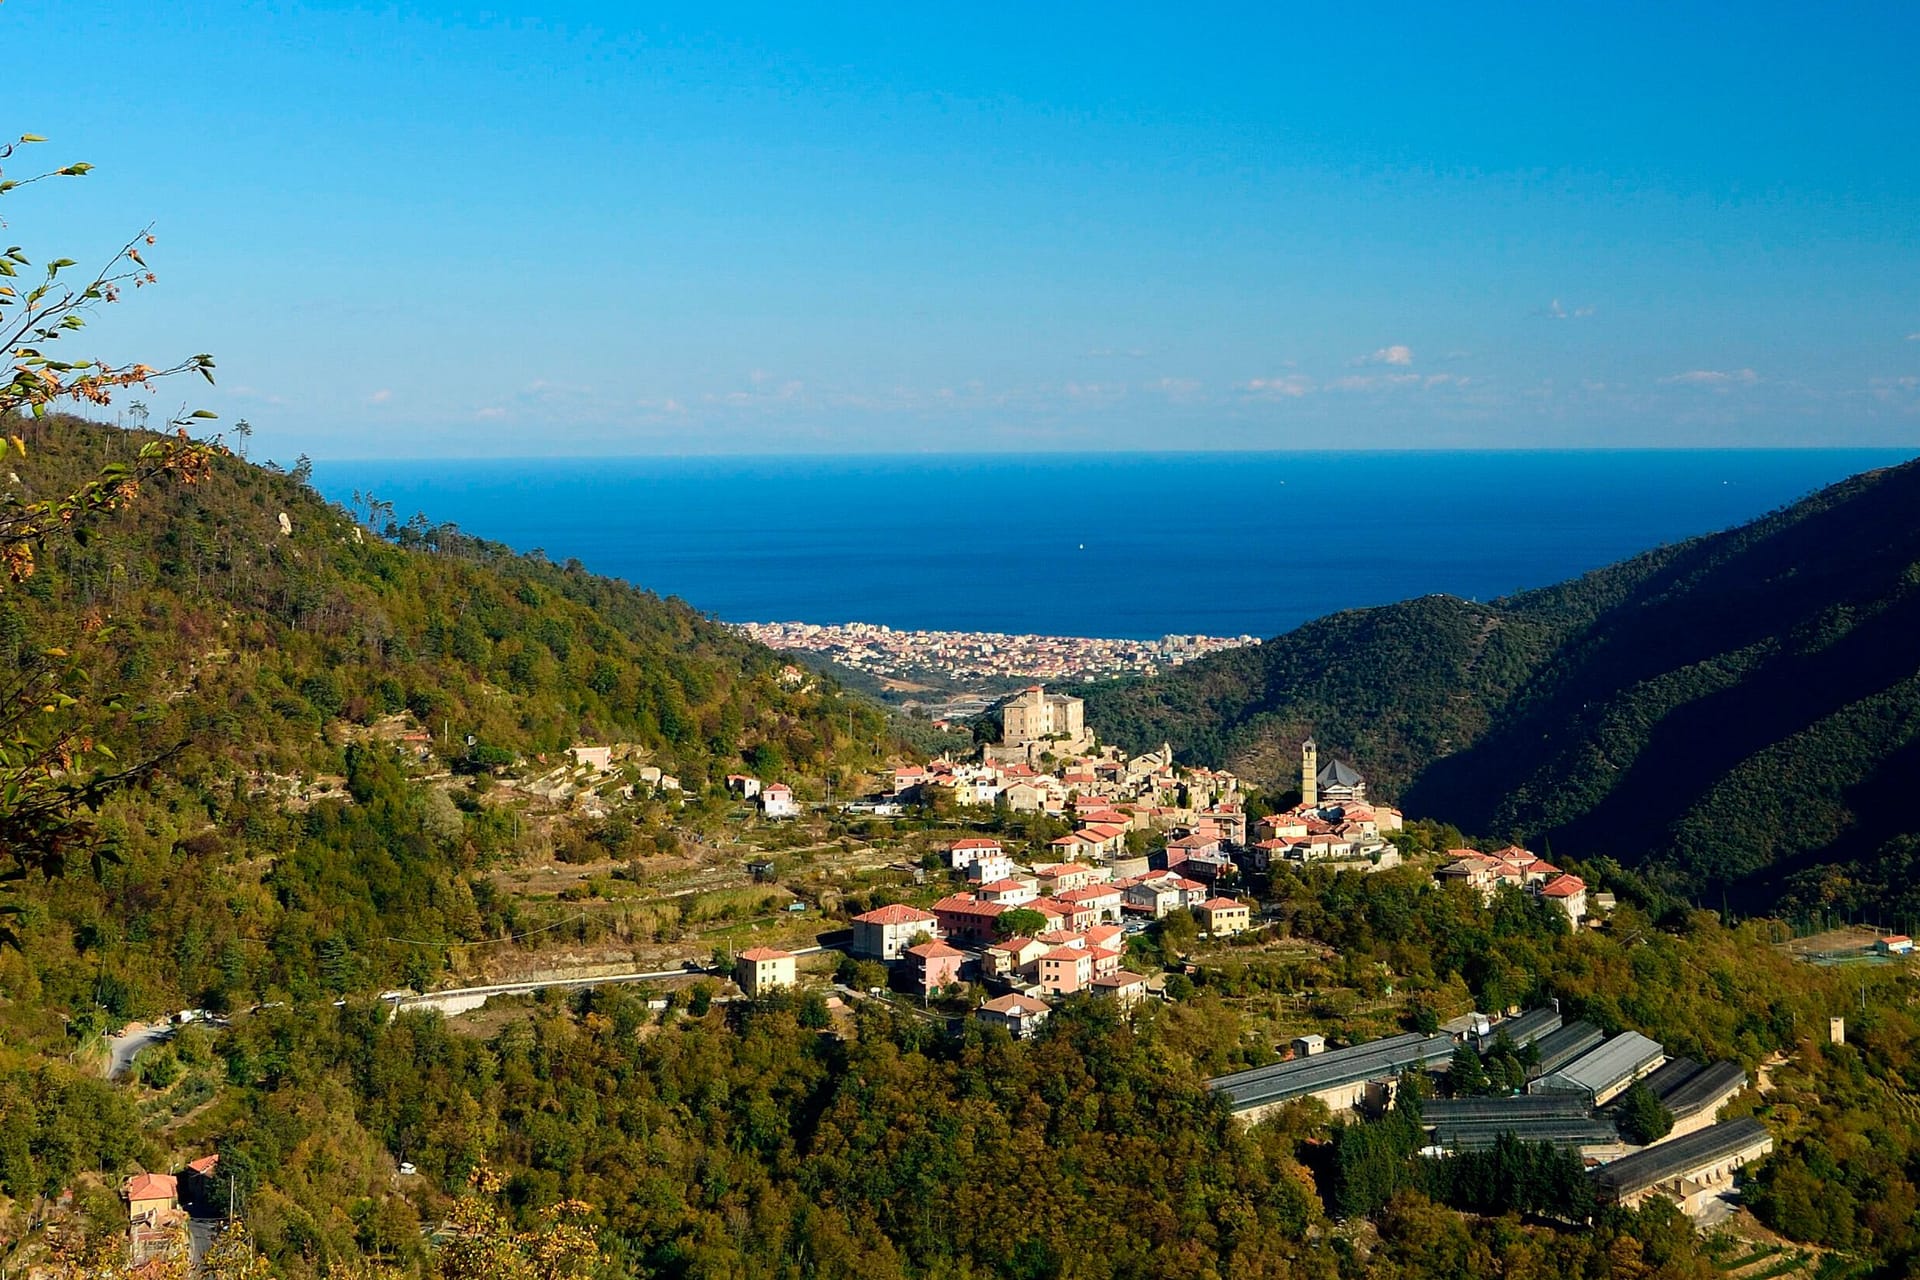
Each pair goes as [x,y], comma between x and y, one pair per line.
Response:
[1741,709]
[270,667]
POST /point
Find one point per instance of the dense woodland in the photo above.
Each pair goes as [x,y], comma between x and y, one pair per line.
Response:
[775,1138]
[1740,713]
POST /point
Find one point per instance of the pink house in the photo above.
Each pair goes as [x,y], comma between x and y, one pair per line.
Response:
[935,965]
[1065,970]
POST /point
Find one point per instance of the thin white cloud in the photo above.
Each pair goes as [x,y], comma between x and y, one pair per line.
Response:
[1717,378]
[1374,381]
[1398,354]
[381,396]
[1177,390]
[1913,337]
[1290,387]
[491,413]
[1556,310]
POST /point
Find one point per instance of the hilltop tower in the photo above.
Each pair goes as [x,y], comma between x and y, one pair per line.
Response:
[1309,774]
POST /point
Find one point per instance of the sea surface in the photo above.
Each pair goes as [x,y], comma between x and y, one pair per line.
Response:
[1120,545]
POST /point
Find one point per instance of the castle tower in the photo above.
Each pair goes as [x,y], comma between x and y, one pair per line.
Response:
[1309,774]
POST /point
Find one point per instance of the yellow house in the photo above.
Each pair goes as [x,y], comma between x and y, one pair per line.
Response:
[763,969]
[1226,916]
[151,1193]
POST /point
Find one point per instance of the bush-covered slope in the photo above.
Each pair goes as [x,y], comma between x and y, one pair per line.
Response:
[254,638]
[1743,708]
[1395,687]
[1750,706]
[255,661]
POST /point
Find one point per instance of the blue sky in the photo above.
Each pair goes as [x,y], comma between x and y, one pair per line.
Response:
[607,229]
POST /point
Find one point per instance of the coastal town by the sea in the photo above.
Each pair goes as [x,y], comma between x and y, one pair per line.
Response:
[888,654]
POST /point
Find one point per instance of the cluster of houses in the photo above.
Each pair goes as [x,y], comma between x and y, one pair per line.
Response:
[1070,936]
[1521,869]
[1570,1100]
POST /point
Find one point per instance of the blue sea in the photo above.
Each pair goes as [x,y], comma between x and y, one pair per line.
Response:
[1119,545]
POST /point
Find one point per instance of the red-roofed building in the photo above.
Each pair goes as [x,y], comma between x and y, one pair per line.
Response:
[151,1194]
[1058,915]
[1569,893]
[763,969]
[962,854]
[1061,877]
[1012,957]
[965,918]
[1065,970]
[1103,901]
[1011,892]
[776,801]
[1127,988]
[935,965]
[885,932]
[1226,917]
[1020,1015]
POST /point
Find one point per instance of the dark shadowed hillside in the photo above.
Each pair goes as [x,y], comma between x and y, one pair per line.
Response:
[1397,687]
[1742,710]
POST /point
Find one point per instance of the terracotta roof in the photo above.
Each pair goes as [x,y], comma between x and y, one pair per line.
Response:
[205,1164]
[766,953]
[1015,1004]
[967,904]
[1222,904]
[1090,893]
[1075,954]
[895,913]
[1564,887]
[934,951]
[974,844]
[1119,978]
[151,1186]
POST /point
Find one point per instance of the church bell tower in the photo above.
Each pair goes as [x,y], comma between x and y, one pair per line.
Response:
[1309,774]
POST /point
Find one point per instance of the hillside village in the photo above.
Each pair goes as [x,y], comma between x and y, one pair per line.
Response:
[1070,870]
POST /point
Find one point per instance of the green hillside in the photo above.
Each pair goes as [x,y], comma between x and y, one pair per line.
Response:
[278,672]
[1741,711]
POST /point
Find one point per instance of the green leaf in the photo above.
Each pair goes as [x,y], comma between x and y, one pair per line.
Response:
[203,413]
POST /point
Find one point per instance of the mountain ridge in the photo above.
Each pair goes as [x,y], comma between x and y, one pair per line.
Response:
[1720,711]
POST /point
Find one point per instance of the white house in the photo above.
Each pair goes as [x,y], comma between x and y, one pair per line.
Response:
[962,854]
[776,801]
[885,932]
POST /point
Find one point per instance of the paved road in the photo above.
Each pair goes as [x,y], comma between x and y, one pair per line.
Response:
[125,1048]
[464,999]
[200,1235]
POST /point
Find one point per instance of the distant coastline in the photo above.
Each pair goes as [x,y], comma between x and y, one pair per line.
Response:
[1126,546]
[887,653]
